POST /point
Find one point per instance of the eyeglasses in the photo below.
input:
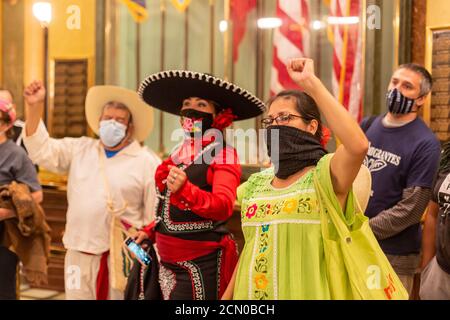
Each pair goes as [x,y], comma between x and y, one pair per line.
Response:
[282,119]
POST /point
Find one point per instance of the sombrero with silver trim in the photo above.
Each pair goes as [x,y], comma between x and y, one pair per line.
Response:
[166,91]
[142,114]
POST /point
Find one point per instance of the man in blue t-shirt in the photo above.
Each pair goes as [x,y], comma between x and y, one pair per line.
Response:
[403,157]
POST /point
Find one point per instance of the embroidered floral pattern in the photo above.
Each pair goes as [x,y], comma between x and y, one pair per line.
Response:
[261,281]
[269,209]
[197,284]
[251,211]
[304,205]
[261,265]
[290,206]
[191,126]
[167,281]
[262,210]
[298,205]
[264,239]
[293,209]
[187,124]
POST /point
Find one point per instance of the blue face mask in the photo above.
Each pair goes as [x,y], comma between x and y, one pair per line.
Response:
[112,132]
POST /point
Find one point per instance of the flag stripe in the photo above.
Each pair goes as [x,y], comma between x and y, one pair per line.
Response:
[347,57]
[291,29]
[283,76]
[291,40]
[291,8]
[287,50]
[239,12]
[353,34]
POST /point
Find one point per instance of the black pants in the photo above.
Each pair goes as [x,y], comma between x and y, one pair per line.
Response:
[8,267]
[191,280]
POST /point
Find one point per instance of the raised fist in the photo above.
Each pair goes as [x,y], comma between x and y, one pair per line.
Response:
[34,93]
[301,70]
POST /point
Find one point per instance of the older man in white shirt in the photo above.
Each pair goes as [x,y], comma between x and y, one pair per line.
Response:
[111,187]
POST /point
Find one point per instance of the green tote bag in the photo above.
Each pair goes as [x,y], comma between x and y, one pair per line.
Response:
[356,265]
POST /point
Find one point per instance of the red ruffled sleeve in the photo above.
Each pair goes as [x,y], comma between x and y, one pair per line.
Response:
[162,172]
[224,175]
[150,231]
[160,176]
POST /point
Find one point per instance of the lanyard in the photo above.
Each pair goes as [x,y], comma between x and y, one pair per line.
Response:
[109,201]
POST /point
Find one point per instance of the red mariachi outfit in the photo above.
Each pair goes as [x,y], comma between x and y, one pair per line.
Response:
[198,254]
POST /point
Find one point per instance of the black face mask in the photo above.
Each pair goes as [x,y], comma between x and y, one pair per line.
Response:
[297,149]
[397,103]
[195,122]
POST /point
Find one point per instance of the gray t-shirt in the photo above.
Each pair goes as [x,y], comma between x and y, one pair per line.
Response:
[16,166]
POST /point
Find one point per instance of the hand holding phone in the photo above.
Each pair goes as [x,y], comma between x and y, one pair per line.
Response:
[139,253]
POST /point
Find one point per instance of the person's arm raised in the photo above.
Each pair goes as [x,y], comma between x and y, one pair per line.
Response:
[34,99]
[52,154]
[349,156]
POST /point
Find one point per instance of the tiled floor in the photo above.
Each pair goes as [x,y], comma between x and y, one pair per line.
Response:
[27,293]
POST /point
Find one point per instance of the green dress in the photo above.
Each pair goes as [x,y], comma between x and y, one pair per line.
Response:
[283,257]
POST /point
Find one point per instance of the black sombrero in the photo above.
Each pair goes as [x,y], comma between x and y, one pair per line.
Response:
[166,91]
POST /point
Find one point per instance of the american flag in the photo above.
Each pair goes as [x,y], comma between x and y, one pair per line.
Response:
[239,12]
[291,40]
[346,37]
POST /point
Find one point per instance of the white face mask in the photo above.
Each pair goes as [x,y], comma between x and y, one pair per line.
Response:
[112,132]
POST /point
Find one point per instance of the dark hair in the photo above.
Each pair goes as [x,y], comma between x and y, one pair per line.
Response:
[305,106]
[427,79]
[4,117]
[217,107]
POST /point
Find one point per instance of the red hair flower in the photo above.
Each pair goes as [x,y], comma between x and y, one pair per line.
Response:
[326,136]
[224,119]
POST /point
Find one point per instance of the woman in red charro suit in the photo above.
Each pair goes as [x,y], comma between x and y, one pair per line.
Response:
[197,184]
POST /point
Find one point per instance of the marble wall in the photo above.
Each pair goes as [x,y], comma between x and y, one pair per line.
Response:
[13,41]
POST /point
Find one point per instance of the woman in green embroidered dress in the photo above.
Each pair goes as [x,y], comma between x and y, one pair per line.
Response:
[283,256]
